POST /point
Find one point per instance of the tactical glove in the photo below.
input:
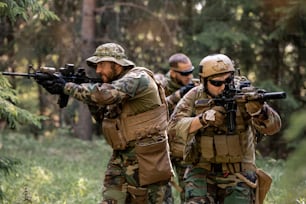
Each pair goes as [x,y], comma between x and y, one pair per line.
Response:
[215,116]
[254,107]
[185,89]
[54,84]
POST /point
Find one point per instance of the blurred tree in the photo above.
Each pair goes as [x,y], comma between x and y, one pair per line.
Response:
[84,126]
[9,12]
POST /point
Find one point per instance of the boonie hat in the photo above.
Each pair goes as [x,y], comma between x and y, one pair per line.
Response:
[110,52]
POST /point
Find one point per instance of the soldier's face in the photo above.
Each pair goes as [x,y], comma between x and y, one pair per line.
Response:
[183,73]
[217,84]
[107,70]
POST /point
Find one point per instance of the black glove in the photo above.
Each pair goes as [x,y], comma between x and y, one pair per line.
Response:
[54,84]
[185,89]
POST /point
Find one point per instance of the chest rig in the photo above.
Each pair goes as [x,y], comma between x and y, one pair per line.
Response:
[218,144]
[126,127]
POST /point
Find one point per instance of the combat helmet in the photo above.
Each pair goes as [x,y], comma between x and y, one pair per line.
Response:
[110,52]
[215,64]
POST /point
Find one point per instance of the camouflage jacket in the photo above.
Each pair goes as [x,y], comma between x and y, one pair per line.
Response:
[171,90]
[134,86]
[186,110]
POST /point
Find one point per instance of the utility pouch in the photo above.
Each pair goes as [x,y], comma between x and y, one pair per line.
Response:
[153,160]
[264,184]
[207,148]
[139,195]
[221,148]
[191,154]
[113,134]
[177,146]
[234,150]
[228,148]
[141,125]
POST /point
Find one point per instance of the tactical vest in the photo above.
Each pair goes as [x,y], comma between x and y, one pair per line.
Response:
[132,125]
[216,146]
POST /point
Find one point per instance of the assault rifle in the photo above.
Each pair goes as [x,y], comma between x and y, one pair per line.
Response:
[68,73]
[239,93]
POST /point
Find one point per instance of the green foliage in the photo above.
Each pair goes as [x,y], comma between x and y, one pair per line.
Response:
[296,180]
[10,112]
[297,126]
[56,169]
[59,169]
[7,165]
[288,177]
[25,9]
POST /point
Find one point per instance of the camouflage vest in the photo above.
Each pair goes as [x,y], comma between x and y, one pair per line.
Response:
[133,123]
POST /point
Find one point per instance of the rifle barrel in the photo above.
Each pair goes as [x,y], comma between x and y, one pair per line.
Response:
[274,95]
[18,74]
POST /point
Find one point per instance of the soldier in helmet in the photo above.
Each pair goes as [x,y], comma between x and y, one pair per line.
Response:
[222,166]
[132,107]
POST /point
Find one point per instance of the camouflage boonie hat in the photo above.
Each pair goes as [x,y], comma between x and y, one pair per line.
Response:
[110,52]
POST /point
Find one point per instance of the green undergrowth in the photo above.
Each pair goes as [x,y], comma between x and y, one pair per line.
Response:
[59,169]
[56,169]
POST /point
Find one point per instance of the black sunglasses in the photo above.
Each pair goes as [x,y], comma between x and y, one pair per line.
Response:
[218,83]
[185,73]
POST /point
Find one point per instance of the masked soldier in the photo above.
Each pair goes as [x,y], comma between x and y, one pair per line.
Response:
[132,107]
[222,160]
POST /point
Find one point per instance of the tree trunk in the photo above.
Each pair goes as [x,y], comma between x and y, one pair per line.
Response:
[84,125]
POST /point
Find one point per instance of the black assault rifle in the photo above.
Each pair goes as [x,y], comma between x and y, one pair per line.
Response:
[68,73]
[233,95]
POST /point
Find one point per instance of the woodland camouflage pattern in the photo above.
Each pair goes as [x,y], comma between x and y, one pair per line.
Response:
[115,93]
[106,100]
[170,87]
[171,90]
[215,174]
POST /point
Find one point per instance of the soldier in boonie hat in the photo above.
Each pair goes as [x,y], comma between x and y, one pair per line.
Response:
[110,52]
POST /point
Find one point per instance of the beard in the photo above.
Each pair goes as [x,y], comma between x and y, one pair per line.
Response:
[112,75]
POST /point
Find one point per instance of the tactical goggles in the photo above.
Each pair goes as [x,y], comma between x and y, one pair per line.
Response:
[219,83]
[185,73]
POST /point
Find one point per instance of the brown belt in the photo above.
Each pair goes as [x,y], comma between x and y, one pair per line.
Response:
[227,167]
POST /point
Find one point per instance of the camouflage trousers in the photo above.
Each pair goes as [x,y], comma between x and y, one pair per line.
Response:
[202,186]
[121,182]
[179,167]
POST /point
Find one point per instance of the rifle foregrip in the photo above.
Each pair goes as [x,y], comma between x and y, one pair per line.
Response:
[63,100]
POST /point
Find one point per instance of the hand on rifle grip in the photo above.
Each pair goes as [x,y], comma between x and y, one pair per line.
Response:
[254,107]
[215,116]
[54,84]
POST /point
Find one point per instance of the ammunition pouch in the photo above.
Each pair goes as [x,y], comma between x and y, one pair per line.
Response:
[119,132]
[192,149]
[153,160]
[114,136]
[227,149]
[177,146]
[138,195]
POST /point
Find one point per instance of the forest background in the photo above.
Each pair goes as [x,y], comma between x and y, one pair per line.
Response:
[265,38]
